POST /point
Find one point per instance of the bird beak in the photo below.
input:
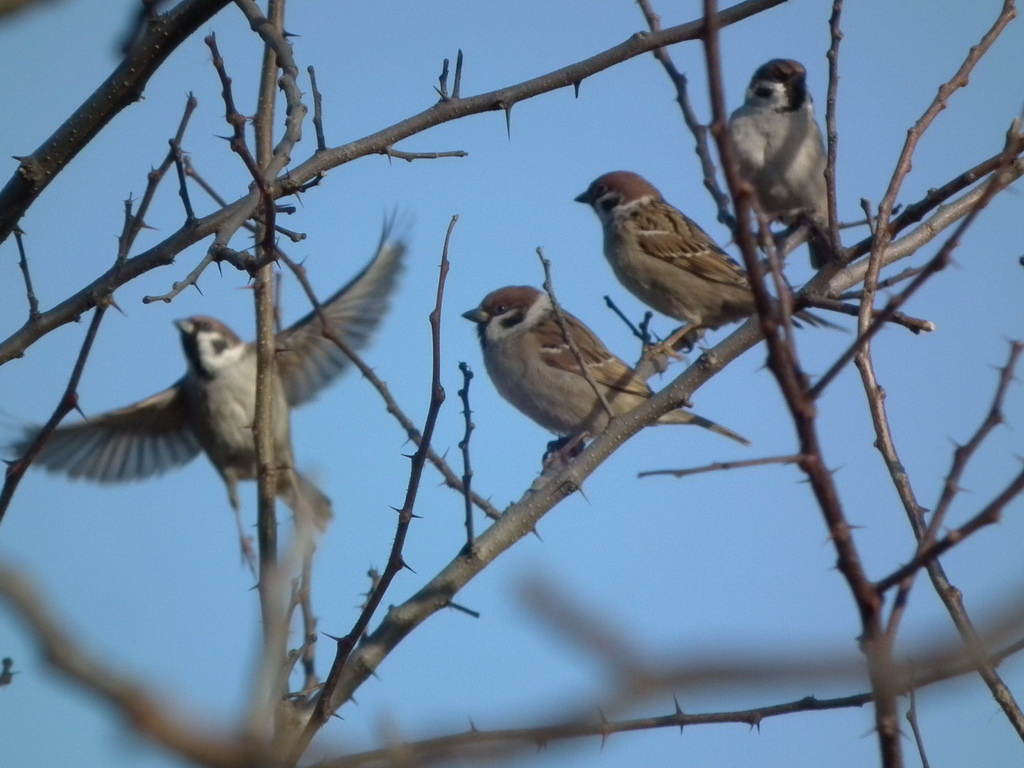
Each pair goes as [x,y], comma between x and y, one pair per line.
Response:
[185,326]
[583,198]
[476,315]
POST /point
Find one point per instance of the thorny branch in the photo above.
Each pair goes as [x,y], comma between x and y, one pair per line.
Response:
[225,222]
[699,131]
[329,700]
[125,86]
[67,403]
[30,294]
[467,466]
[793,384]
[412,432]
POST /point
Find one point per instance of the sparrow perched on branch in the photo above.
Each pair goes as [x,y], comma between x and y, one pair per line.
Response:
[666,260]
[534,368]
[779,150]
[212,408]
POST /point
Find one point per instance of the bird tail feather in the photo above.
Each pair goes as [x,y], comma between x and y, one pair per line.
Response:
[307,501]
[680,416]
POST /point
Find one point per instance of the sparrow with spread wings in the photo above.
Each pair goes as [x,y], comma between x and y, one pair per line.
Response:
[212,408]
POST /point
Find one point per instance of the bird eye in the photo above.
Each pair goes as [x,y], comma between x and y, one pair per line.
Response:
[600,190]
[500,309]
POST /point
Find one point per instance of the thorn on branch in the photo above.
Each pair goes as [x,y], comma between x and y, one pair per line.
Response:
[508,119]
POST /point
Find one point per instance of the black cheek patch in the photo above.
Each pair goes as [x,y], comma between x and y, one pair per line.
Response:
[219,345]
[512,320]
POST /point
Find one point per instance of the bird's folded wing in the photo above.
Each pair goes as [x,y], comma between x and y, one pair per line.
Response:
[141,440]
[604,368]
[680,240]
[308,360]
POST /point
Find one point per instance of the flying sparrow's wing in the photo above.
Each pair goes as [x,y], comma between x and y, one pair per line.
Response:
[668,234]
[308,360]
[141,440]
[605,368]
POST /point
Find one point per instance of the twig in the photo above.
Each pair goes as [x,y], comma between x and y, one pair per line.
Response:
[928,552]
[915,212]
[15,197]
[7,673]
[831,133]
[643,337]
[467,467]
[412,432]
[124,87]
[913,324]
[442,90]
[410,156]
[872,320]
[176,153]
[325,705]
[68,402]
[318,117]
[915,726]
[134,223]
[964,453]
[699,131]
[30,294]
[722,465]
[888,282]
[792,381]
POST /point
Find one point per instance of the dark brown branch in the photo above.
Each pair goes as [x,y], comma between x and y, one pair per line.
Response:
[699,131]
[124,87]
[134,223]
[930,552]
[316,166]
[792,381]
[68,402]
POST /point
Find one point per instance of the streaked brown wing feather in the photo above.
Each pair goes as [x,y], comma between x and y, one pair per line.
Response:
[605,368]
[671,235]
[131,443]
[308,360]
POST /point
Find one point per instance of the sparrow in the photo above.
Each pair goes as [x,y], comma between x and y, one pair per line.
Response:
[666,260]
[780,152]
[534,368]
[212,408]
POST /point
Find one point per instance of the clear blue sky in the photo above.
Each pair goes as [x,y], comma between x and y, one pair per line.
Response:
[147,575]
